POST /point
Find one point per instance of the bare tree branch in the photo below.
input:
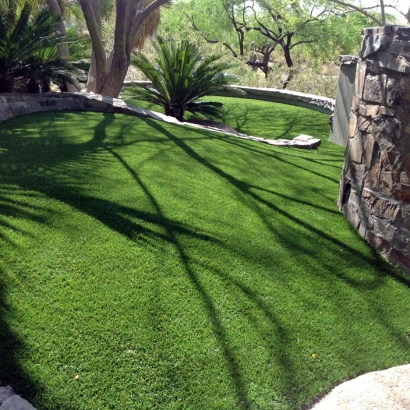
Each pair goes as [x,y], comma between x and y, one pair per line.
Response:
[191,19]
[360,10]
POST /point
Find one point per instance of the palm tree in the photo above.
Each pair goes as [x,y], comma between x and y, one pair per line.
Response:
[180,77]
[28,50]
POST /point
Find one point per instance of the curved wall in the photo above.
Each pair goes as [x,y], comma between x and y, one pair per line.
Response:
[12,105]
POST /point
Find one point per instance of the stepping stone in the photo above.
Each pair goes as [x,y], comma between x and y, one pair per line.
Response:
[301,141]
[305,141]
[279,142]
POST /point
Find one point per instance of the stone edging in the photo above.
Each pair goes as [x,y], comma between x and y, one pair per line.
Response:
[314,102]
[13,105]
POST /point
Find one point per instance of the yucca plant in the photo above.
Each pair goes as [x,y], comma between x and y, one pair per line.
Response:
[180,77]
[28,50]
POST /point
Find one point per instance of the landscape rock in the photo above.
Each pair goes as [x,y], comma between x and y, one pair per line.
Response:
[301,141]
[9,400]
[5,393]
[383,390]
[16,403]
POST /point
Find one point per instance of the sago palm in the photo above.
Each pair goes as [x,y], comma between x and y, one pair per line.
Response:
[28,49]
[180,77]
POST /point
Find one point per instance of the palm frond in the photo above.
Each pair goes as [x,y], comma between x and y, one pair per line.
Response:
[181,75]
[28,48]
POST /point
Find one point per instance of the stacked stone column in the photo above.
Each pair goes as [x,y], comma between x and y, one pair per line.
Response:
[375,183]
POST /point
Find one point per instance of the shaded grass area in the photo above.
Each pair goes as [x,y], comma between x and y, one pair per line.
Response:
[145,265]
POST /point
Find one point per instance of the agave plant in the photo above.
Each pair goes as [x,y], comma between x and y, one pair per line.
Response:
[28,50]
[180,77]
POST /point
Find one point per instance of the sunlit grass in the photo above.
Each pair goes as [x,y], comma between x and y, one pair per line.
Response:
[145,265]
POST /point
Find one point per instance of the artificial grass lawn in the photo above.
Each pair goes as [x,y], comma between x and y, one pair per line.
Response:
[145,265]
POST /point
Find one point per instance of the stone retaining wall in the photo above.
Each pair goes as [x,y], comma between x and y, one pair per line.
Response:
[12,105]
[311,101]
[375,184]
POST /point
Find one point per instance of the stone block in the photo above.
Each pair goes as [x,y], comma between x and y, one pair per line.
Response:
[356,149]
[406,219]
[373,66]
[377,242]
[352,125]
[402,33]
[387,111]
[374,87]
[386,130]
[351,215]
[371,151]
[398,258]
[372,110]
[371,31]
[405,178]
[373,178]
[386,178]
[355,174]
[386,209]
[394,62]
[363,124]
[402,193]
[375,43]
[402,241]
[360,79]
[355,103]
[362,229]
[394,92]
[401,47]
[355,198]
[362,109]
[369,197]
[384,228]
[390,159]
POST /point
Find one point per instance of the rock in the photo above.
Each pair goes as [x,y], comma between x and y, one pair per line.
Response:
[16,403]
[305,141]
[387,389]
[9,400]
[5,393]
[302,141]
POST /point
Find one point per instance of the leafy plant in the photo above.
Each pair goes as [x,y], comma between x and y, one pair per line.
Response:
[180,77]
[28,50]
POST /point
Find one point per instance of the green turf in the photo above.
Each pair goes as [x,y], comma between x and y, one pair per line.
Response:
[148,266]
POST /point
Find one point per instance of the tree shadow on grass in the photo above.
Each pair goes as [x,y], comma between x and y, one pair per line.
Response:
[249,195]
[11,346]
[122,220]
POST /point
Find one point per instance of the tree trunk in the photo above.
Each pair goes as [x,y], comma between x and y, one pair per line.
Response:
[62,48]
[120,60]
[92,15]
[106,77]
[288,58]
